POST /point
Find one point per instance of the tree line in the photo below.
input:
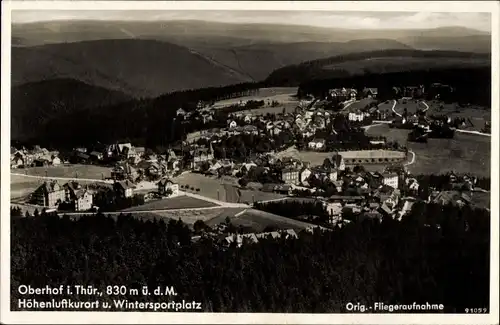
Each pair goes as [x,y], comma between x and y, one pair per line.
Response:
[314,212]
[436,254]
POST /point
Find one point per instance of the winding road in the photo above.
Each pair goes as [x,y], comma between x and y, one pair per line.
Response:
[398,114]
[426,106]
[473,132]
[412,161]
[393,110]
[349,104]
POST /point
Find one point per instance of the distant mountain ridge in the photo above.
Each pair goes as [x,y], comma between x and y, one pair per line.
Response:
[141,68]
[150,58]
[149,68]
[186,30]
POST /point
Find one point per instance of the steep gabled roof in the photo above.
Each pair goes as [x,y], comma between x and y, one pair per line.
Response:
[48,187]
[126,184]
[165,181]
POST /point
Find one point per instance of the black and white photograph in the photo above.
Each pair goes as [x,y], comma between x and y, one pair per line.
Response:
[253,162]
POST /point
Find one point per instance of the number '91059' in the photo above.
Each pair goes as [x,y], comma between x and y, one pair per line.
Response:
[476,310]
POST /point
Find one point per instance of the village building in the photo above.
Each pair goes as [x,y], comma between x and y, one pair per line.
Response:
[370,92]
[391,179]
[96,155]
[49,194]
[232,124]
[304,176]
[123,171]
[17,162]
[241,239]
[367,157]
[455,198]
[180,112]
[316,144]
[290,175]
[356,116]
[286,234]
[40,162]
[166,186]
[201,155]
[80,197]
[124,189]
[55,161]
[338,162]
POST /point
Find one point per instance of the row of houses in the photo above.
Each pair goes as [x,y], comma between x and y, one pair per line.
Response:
[253,238]
[35,157]
[52,194]
[77,197]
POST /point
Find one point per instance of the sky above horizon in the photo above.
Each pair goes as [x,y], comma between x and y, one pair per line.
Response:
[329,19]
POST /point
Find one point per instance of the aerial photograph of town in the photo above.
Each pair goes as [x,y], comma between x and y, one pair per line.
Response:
[250,161]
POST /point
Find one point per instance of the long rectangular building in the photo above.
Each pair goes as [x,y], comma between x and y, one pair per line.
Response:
[372,157]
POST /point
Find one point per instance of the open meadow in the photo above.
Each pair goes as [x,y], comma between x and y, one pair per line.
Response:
[478,115]
[210,216]
[67,171]
[411,105]
[223,189]
[285,96]
[179,202]
[464,153]
[359,104]
[259,220]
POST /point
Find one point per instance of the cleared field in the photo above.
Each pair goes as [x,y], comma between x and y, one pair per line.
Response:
[284,95]
[179,202]
[70,171]
[480,200]
[255,196]
[477,115]
[281,94]
[209,186]
[411,105]
[210,217]
[225,189]
[386,107]
[259,220]
[289,108]
[360,104]
[463,154]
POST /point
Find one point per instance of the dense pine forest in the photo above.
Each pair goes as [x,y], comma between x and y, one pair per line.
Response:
[437,254]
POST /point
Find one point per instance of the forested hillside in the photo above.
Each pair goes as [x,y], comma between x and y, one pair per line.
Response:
[140,68]
[375,62]
[35,104]
[436,254]
[149,122]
